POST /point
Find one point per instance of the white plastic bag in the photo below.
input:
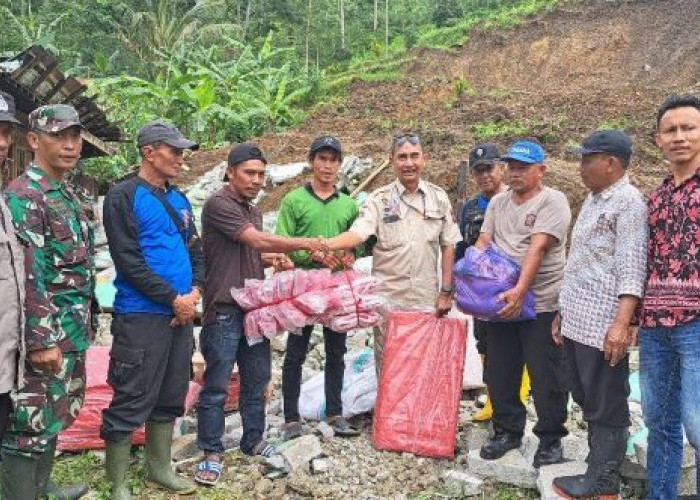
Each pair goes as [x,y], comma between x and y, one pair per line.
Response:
[473,375]
[359,388]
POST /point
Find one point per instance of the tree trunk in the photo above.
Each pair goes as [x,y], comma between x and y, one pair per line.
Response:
[308,35]
[386,27]
[376,15]
[248,8]
[341,7]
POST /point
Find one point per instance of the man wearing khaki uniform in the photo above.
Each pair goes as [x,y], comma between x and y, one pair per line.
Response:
[11,280]
[412,221]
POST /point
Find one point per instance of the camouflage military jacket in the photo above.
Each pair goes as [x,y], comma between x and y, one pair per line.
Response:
[58,243]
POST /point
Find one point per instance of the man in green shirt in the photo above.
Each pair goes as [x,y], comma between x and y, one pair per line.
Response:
[317,210]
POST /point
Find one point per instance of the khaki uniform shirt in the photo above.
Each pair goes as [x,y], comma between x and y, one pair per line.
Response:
[410,229]
[12,300]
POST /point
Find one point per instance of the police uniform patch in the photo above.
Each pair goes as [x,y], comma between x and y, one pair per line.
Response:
[530,220]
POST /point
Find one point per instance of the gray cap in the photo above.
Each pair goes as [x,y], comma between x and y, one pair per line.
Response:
[7,108]
[167,133]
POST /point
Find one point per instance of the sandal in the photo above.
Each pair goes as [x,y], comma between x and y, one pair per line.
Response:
[265,449]
[208,466]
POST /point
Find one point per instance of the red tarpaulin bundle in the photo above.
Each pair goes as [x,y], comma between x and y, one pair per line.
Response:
[420,384]
[84,434]
[289,300]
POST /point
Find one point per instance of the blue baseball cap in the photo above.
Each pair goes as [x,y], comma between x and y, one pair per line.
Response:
[525,151]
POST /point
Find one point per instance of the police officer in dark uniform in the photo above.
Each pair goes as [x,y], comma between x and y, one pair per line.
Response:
[488,171]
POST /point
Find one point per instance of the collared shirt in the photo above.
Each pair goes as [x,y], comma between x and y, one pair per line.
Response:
[12,300]
[607,259]
[303,214]
[58,243]
[410,229]
[228,262]
[672,294]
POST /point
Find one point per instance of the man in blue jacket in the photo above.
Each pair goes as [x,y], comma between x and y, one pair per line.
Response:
[160,266]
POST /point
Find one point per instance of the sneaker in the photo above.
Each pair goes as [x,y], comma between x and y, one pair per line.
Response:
[292,430]
[341,427]
[499,445]
[548,455]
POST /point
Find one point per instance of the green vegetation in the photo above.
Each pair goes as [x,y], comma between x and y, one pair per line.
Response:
[620,123]
[229,70]
[489,130]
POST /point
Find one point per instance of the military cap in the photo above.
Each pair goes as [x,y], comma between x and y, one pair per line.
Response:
[53,118]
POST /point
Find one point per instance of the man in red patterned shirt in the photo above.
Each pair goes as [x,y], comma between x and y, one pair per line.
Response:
[669,342]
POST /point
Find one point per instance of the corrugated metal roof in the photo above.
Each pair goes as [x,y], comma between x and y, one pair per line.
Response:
[33,78]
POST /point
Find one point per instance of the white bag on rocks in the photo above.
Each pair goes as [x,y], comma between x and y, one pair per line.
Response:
[473,375]
[359,388]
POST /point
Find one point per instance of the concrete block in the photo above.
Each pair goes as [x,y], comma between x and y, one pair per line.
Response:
[510,469]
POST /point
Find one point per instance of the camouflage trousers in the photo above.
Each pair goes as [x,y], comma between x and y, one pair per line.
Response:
[47,404]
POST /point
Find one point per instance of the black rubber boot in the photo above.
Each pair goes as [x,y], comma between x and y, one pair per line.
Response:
[602,478]
[499,445]
[19,477]
[46,487]
[548,455]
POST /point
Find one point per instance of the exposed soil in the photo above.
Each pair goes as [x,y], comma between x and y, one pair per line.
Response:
[560,75]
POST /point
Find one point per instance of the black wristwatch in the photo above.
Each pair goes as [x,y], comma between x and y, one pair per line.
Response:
[447,288]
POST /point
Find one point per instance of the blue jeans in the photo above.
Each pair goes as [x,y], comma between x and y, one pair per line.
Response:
[670,381]
[223,344]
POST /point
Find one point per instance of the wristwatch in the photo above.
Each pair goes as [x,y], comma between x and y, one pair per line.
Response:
[447,288]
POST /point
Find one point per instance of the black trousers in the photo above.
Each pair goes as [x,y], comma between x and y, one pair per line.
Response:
[149,370]
[480,335]
[297,348]
[599,389]
[5,410]
[509,347]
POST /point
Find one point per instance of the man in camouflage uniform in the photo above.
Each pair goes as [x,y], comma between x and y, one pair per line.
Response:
[11,280]
[58,243]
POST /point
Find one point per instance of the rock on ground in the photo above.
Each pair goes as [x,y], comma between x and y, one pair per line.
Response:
[512,468]
[460,483]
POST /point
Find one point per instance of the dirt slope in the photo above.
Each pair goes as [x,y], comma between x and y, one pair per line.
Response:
[557,78]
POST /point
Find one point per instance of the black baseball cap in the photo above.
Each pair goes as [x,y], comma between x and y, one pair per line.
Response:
[7,108]
[612,142]
[244,152]
[167,133]
[484,154]
[325,141]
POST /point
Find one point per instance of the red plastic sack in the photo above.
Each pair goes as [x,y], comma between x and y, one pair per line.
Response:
[420,385]
[84,434]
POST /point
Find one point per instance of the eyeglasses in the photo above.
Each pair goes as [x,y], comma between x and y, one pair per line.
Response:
[400,140]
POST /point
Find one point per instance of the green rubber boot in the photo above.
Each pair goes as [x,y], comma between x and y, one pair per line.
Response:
[117,460]
[47,488]
[159,438]
[18,477]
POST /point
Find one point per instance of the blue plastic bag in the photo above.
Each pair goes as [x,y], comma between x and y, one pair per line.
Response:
[481,276]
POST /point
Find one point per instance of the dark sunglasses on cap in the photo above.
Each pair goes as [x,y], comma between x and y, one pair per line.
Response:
[400,140]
